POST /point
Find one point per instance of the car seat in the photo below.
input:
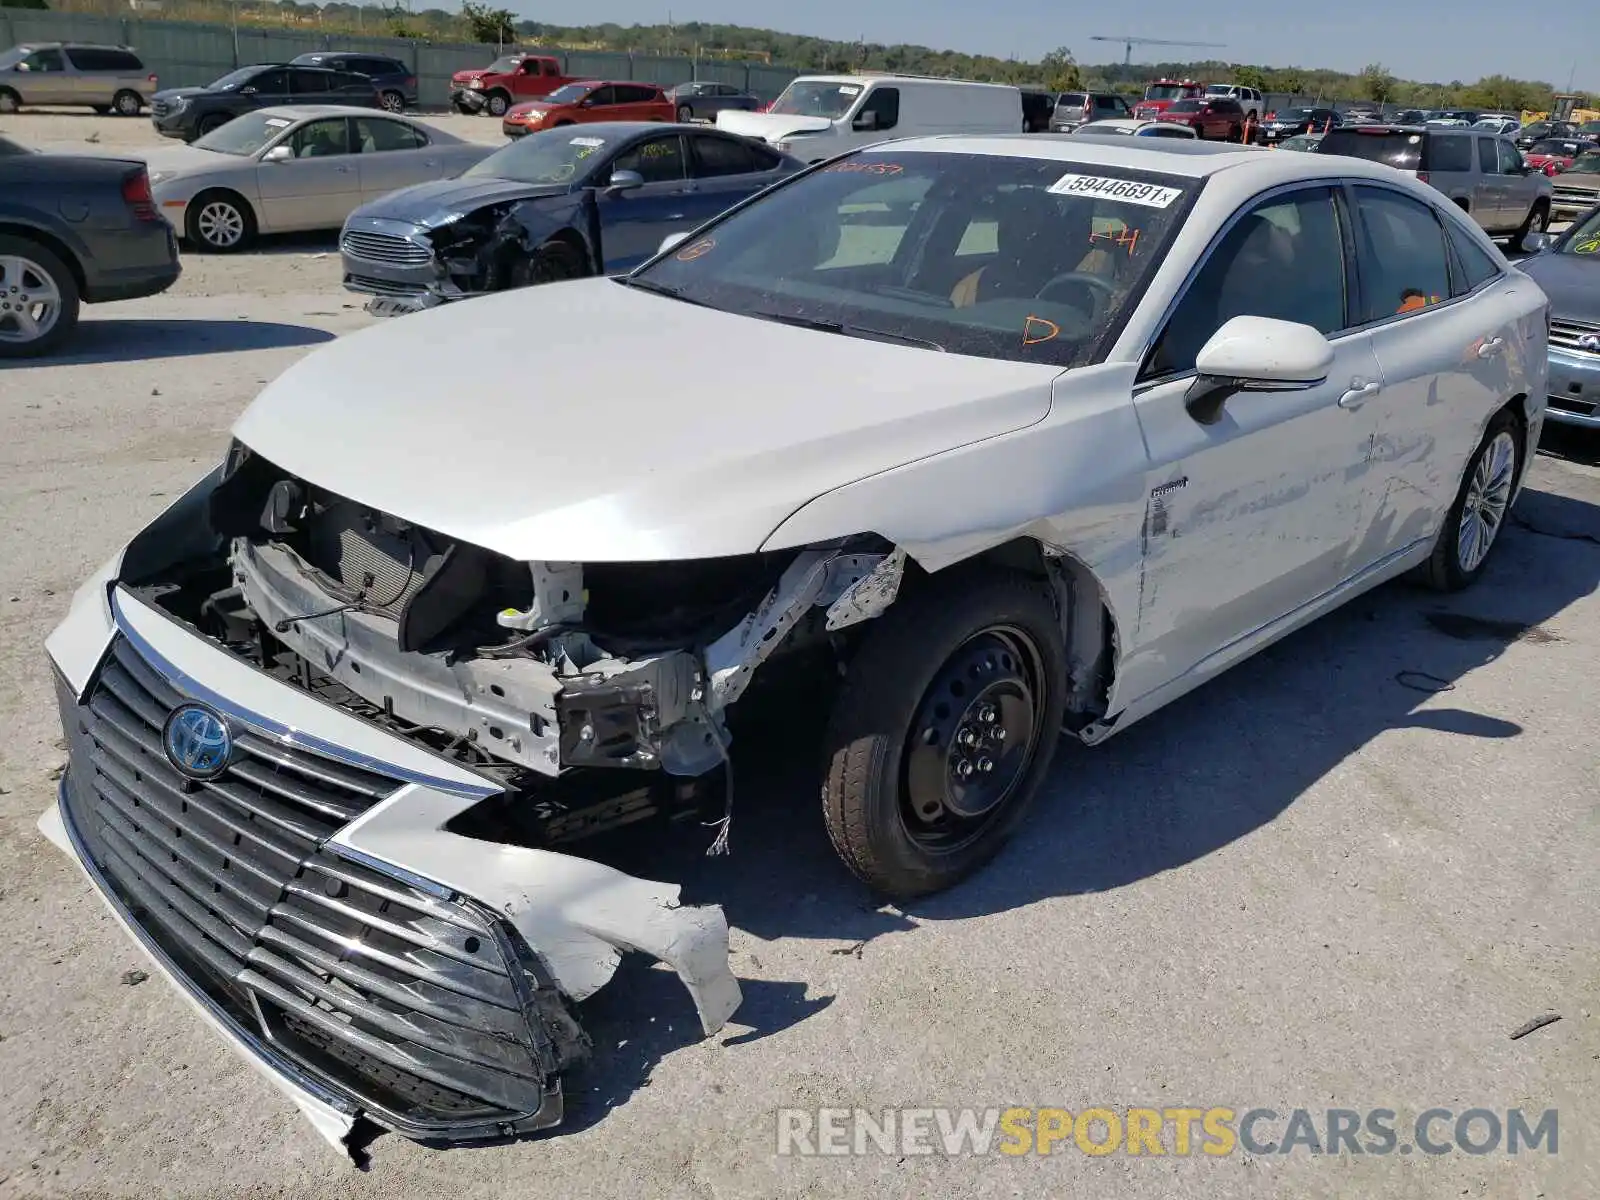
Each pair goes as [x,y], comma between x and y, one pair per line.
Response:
[1037,237]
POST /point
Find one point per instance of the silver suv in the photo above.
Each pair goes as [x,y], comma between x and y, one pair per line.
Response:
[104,78]
[1481,171]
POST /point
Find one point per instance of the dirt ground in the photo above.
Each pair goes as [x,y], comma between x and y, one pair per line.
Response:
[1307,885]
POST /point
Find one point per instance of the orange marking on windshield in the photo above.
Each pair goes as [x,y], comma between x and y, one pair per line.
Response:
[1120,237]
[701,248]
[1030,322]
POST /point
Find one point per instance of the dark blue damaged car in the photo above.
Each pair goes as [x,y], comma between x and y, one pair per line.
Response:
[593,199]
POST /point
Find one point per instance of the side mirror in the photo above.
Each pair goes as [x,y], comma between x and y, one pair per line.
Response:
[278,154]
[1256,354]
[624,181]
[866,120]
[671,240]
[586,102]
[1535,242]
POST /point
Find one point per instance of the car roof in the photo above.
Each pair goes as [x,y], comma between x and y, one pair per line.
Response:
[1193,158]
[297,112]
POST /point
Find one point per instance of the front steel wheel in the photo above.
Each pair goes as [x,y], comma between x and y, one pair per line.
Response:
[944,729]
[1482,506]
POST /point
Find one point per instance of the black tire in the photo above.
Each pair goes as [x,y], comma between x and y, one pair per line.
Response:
[497,104]
[1538,218]
[127,103]
[211,123]
[888,799]
[10,102]
[685,114]
[391,101]
[43,264]
[552,262]
[206,222]
[1449,568]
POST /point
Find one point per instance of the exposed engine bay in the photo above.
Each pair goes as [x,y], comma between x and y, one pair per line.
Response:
[522,671]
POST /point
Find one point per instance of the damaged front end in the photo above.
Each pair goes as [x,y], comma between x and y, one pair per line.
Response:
[325,765]
[408,265]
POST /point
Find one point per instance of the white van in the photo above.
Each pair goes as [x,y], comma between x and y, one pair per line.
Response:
[819,116]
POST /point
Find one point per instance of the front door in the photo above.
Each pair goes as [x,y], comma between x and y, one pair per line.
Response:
[633,223]
[42,78]
[316,188]
[1252,517]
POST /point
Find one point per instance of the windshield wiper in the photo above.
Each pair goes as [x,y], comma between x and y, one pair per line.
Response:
[860,331]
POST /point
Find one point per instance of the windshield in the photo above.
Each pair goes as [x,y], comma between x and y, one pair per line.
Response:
[1402,150]
[995,256]
[549,156]
[1584,239]
[244,135]
[1166,91]
[503,66]
[1180,106]
[1586,164]
[802,99]
[569,93]
[233,79]
[1102,129]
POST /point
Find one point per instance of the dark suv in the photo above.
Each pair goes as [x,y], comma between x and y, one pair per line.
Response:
[189,113]
[1079,108]
[396,82]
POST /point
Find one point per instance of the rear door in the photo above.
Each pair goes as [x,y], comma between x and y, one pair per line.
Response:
[320,186]
[632,223]
[392,154]
[1490,193]
[724,170]
[1446,363]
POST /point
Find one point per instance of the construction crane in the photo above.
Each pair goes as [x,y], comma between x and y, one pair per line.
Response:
[1130,42]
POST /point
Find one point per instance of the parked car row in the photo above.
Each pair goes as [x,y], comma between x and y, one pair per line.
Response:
[1014,440]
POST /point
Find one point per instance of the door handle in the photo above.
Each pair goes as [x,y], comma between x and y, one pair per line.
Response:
[1359,394]
[342,170]
[1491,347]
[674,216]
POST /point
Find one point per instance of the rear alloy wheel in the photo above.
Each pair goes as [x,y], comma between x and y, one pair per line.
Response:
[498,103]
[220,222]
[127,103]
[392,102]
[943,731]
[1481,509]
[38,299]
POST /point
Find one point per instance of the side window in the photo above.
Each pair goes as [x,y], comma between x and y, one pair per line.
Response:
[374,135]
[45,60]
[1449,152]
[714,156]
[1284,258]
[273,83]
[303,82]
[1404,265]
[660,160]
[1477,266]
[530,66]
[634,94]
[603,95]
[1488,156]
[322,139]
[88,59]
[1510,157]
[885,101]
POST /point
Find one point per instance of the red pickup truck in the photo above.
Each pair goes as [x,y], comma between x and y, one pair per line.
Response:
[508,80]
[1158,96]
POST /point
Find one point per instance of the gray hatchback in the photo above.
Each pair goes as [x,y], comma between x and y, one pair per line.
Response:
[104,78]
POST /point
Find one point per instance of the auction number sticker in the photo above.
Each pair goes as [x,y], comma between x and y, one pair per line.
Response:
[279,122]
[1127,190]
[588,141]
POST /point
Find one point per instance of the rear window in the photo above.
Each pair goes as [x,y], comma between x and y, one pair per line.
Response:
[1072,100]
[1396,149]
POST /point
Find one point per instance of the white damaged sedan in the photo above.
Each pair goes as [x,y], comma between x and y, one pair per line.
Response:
[1019,437]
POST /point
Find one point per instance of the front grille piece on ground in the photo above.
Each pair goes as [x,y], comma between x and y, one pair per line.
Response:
[419,1008]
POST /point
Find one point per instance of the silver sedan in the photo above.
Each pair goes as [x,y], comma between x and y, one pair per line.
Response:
[283,170]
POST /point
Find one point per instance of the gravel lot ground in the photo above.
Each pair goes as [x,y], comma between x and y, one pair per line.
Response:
[1305,886]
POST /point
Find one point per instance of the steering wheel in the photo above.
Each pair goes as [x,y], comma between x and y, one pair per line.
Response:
[1099,290]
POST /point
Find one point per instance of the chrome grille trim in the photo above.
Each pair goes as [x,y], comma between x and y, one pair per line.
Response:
[385,248]
[402,1001]
[1565,334]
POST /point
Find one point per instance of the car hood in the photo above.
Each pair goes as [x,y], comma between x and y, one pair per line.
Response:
[463,76]
[1571,281]
[587,421]
[1581,179]
[771,127]
[436,202]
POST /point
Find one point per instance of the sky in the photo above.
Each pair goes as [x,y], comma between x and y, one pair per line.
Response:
[1430,42]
